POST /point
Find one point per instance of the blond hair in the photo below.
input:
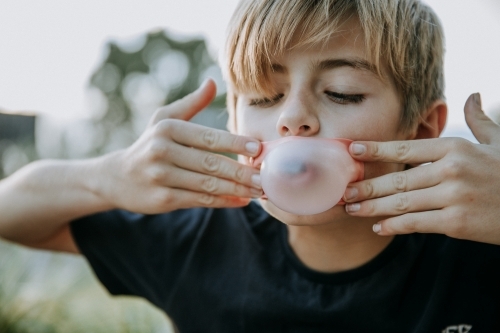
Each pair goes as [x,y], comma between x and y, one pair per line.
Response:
[405,34]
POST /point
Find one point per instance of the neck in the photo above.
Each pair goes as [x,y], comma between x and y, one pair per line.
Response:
[336,247]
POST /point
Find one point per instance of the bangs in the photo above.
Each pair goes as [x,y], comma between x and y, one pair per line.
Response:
[262,30]
[405,36]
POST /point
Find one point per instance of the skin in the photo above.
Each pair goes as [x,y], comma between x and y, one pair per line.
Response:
[456,195]
[309,105]
[172,165]
[39,201]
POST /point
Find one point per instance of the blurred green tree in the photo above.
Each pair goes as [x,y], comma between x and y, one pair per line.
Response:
[130,83]
[17,142]
[134,83]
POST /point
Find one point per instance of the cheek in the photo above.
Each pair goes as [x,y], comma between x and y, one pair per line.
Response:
[245,123]
[258,125]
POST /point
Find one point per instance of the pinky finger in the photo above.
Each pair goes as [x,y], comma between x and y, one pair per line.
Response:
[221,201]
[421,222]
[179,199]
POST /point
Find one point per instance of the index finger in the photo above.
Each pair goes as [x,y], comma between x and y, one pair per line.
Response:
[209,139]
[410,151]
[188,106]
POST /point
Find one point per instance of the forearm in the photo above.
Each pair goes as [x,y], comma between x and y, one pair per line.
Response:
[38,200]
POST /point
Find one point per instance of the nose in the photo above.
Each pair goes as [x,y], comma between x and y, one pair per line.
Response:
[297,118]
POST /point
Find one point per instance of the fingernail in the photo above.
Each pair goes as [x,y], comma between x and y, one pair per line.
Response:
[256,193]
[256,179]
[351,208]
[350,193]
[377,228]
[252,147]
[477,99]
[358,149]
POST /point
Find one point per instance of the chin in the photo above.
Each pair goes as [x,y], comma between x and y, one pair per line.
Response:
[334,214]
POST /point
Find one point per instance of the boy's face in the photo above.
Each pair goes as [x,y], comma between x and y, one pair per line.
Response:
[326,91]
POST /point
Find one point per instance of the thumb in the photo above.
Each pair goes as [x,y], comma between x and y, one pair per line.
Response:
[188,106]
[483,128]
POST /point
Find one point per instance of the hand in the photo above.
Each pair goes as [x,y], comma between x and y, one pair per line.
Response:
[458,194]
[172,165]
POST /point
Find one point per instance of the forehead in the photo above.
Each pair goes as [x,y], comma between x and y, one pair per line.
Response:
[345,47]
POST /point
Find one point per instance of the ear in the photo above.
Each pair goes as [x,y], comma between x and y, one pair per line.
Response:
[432,122]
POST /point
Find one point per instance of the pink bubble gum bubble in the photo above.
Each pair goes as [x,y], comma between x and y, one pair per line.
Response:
[307,175]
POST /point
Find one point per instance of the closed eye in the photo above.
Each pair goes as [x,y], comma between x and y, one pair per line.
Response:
[345,98]
[266,102]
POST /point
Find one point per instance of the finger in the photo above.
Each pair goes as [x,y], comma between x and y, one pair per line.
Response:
[483,128]
[187,107]
[416,178]
[216,165]
[210,139]
[188,199]
[197,182]
[398,204]
[412,151]
[422,222]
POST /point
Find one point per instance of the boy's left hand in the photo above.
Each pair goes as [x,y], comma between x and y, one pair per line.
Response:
[458,194]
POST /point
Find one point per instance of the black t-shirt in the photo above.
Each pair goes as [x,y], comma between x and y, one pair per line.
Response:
[232,270]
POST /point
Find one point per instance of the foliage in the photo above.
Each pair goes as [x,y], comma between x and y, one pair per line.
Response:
[135,83]
[43,292]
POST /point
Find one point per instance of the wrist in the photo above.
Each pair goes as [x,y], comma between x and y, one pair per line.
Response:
[102,179]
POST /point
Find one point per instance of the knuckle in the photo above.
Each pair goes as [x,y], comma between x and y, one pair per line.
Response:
[402,202]
[459,144]
[164,126]
[452,169]
[211,163]
[458,187]
[399,180]
[376,152]
[166,198]
[370,208]
[157,150]
[210,138]
[239,190]
[368,189]
[410,223]
[206,199]
[402,151]
[157,176]
[210,184]
[239,174]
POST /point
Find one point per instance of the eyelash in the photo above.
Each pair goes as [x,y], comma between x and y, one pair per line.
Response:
[345,98]
[266,102]
[334,96]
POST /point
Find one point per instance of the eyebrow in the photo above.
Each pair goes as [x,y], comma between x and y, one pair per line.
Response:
[330,64]
[355,63]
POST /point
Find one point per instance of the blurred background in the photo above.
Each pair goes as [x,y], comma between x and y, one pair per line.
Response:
[79,79]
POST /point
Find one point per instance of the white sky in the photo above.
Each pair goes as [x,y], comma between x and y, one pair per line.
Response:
[48,49]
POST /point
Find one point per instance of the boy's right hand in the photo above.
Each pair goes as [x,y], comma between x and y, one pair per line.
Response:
[173,164]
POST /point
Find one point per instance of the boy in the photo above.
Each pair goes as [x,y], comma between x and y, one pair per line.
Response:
[346,69]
